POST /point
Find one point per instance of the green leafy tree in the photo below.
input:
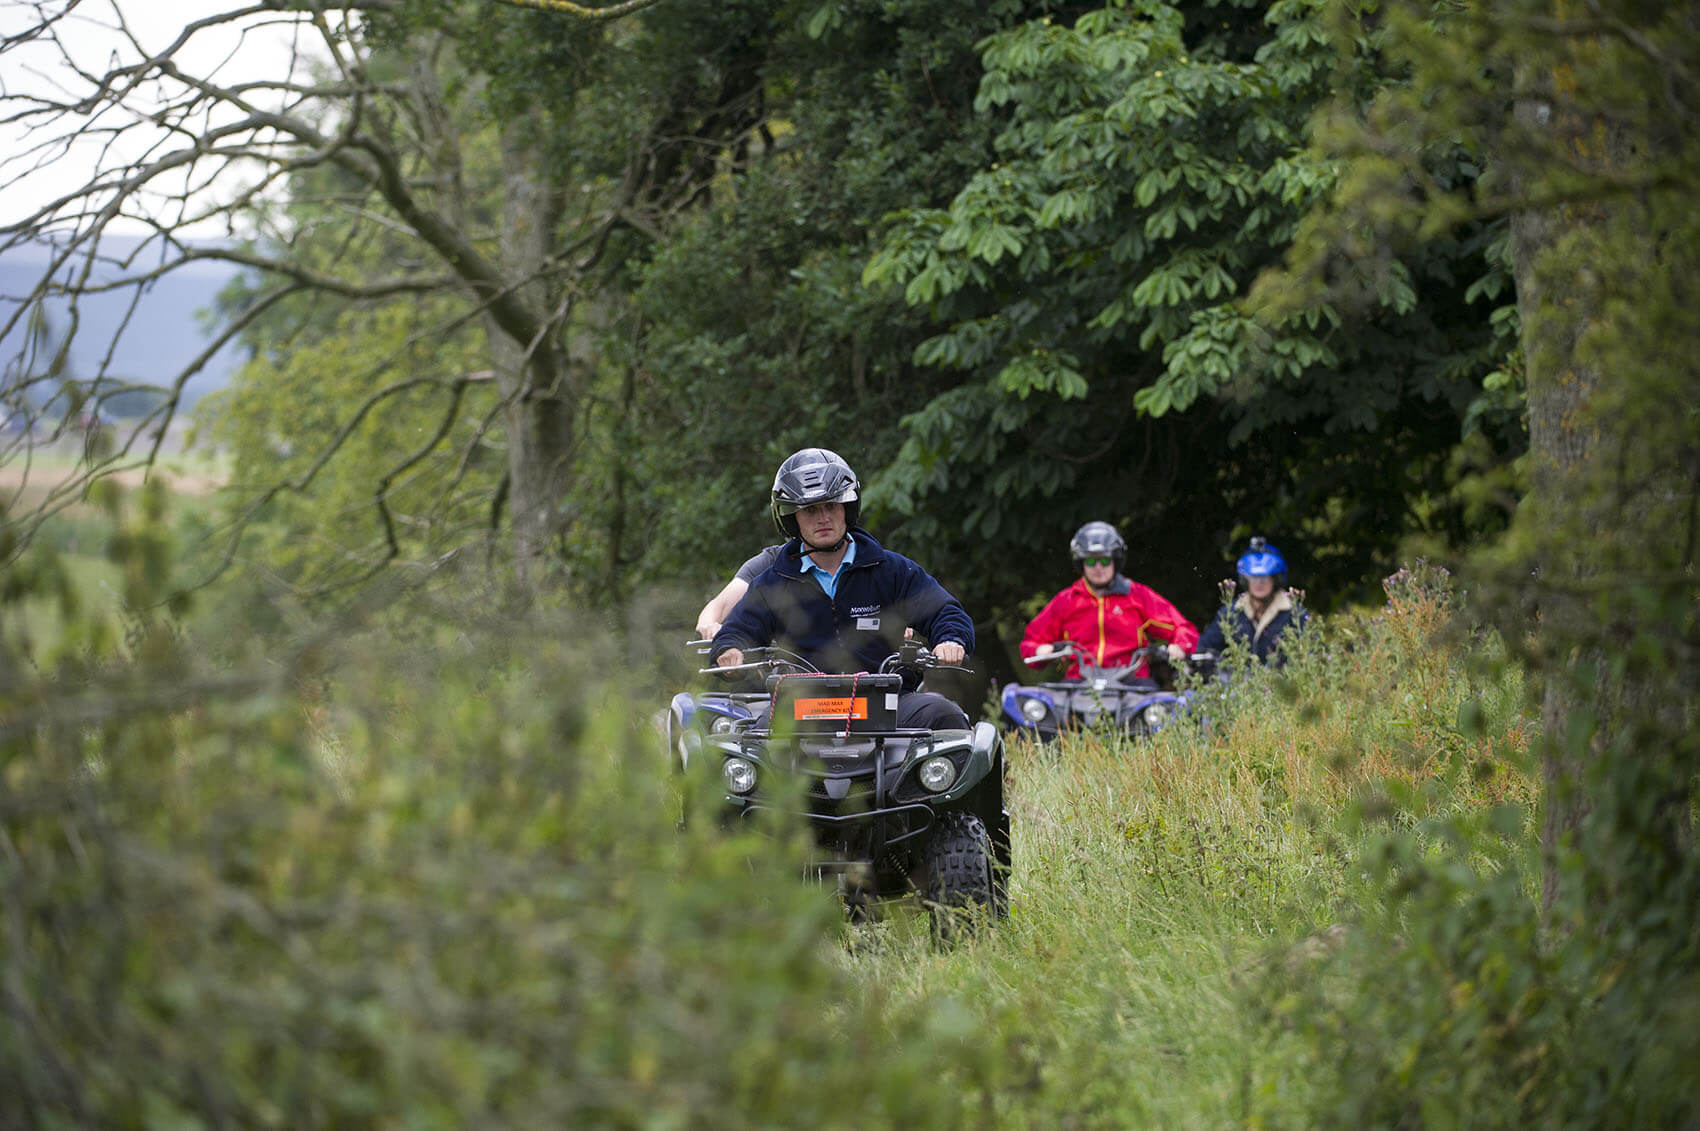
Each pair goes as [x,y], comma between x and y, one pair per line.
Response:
[1152,160]
[417,460]
[1573,1006]
[757,335]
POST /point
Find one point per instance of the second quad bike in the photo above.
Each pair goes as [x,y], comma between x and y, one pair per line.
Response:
[1104,697]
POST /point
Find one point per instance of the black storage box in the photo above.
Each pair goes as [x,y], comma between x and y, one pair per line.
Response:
[835,704]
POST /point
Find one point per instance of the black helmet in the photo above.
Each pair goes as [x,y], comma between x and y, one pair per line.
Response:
[810,476]
[1096,540]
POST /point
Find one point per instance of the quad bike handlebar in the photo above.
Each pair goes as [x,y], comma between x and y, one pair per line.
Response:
[916,657]
[1154,654]
[909,654]
[1156,650]
[769,659]
[1061,650]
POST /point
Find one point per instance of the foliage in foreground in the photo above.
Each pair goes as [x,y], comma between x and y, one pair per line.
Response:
[425,869]
[418,875]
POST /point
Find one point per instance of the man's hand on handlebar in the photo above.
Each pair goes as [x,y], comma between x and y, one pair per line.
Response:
[732,657]
[950,652]
[1177,654]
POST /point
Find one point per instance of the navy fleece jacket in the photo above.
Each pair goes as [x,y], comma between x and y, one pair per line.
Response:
[879,595]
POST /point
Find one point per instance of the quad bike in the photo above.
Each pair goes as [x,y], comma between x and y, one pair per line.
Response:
[894,812]
[1106,697]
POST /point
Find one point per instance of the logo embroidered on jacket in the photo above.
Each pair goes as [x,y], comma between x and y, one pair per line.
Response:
[864,610]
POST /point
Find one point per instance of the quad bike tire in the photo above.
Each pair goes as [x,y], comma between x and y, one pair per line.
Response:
[956,875]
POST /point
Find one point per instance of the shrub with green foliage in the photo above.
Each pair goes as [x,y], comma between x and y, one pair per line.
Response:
[1457,999]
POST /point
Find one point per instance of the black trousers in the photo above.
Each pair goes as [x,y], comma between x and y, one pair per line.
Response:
[929,711]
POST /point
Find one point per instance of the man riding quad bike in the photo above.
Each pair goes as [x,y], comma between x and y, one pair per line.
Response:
[1105,614]
[910,793]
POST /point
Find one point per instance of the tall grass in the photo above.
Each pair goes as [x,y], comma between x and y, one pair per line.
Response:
[1163,888]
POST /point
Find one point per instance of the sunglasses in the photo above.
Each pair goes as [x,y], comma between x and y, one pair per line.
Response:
[1098,561]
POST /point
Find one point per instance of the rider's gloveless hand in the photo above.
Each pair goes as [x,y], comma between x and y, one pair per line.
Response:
[730,658]
[950,652]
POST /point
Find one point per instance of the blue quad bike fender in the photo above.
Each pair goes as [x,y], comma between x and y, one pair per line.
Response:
[1045,710]
[691,717]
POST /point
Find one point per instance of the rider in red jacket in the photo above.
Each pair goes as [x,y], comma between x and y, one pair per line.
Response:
[1105,613]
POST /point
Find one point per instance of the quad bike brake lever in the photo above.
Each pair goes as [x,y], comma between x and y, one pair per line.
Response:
[731,669]
[1062,650]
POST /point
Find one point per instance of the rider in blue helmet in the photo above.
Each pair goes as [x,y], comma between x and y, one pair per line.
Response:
[1261,615]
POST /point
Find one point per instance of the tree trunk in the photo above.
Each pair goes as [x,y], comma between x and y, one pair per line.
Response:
[1558,391]
[1555,307]
[1597,519]
[535,381]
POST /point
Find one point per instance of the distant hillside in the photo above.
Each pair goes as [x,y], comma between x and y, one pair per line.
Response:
[163,335]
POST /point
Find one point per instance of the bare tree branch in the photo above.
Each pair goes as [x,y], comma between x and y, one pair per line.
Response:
[341,179]
[579,11]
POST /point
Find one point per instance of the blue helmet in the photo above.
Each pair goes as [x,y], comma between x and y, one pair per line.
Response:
[1262,560]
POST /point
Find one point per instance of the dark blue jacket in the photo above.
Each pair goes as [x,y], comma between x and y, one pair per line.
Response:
[879,595]
[1262,636]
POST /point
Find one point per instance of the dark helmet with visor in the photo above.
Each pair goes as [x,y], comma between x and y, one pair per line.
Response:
[1097,540]
[1262,560]
[811,476]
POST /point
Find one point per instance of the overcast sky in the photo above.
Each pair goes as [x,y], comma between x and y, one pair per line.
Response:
[28,180]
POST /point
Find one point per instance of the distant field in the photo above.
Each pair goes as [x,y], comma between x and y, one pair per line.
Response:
[29,476]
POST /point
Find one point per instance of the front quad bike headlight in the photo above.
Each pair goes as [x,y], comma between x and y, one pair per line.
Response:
[740,775]
[1033,709]
[937,774]
[723,724]
[1156,715]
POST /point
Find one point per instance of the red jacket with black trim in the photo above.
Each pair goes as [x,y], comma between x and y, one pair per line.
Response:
[1109,627]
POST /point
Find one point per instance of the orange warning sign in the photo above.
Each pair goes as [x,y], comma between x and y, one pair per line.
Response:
[830,708]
